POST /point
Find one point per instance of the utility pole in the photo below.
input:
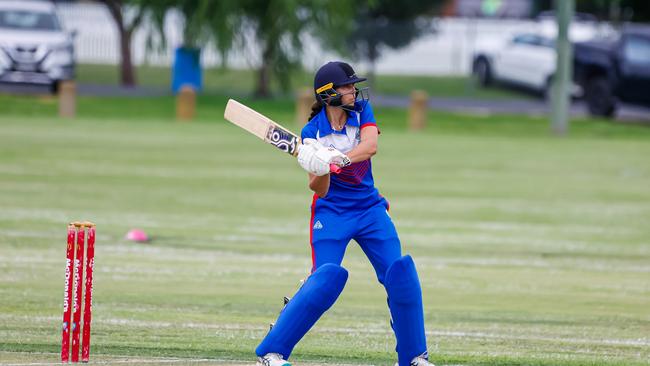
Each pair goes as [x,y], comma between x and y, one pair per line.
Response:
[562,80]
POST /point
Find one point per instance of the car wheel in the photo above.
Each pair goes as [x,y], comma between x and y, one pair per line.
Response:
[547,93]
[483,72]
[54,87]
[599,97]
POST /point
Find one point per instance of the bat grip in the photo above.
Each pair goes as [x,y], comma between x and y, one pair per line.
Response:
[335,169]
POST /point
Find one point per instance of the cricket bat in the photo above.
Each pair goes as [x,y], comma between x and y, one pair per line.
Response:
[263,127]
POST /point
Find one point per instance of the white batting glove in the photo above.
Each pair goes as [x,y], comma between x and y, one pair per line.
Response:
[308,159]
[316,158]
[341,159]
[331,156]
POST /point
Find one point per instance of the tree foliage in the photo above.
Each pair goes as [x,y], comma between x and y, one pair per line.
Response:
[275,28]
[204,21]
[386,23]
[278,27]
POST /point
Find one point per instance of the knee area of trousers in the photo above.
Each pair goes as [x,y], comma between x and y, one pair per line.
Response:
[325,285]
[402,282]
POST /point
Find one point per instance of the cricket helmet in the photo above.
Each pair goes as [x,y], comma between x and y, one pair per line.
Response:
[332,75]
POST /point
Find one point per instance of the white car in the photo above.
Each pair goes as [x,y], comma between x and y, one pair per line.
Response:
[529,59]
[526,60]
[34,49]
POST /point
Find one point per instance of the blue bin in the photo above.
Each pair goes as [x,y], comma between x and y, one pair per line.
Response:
[187,69]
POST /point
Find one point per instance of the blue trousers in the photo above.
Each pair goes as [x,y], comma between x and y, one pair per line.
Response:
[373,229]
[330,234]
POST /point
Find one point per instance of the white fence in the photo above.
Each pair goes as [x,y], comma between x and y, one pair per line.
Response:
[446,52]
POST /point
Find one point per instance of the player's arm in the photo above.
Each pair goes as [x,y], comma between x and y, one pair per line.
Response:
[367,146]
[319,184]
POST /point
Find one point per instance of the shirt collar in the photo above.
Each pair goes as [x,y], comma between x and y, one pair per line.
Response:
[325,128]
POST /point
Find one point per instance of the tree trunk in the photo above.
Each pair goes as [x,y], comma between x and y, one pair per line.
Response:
[373,55]
[262,90]
[372,65]
[127,72]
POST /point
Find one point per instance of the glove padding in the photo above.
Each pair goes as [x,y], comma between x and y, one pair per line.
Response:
[316,158]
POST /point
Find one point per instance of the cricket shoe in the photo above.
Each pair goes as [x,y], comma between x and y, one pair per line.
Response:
[421,360]
[272,359]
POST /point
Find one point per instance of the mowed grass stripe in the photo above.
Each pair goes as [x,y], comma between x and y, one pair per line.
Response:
[531,250]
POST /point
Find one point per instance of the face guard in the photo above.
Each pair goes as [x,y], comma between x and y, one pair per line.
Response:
[329,96]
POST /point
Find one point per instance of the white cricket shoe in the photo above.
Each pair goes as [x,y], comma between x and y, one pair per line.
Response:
[420,360]
[272,359]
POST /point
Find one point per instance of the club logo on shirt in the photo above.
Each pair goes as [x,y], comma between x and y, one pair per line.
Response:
[318,225]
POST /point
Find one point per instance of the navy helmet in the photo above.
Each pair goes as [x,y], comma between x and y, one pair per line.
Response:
[330,76]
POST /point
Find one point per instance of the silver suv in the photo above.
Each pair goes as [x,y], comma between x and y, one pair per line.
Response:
[34,49]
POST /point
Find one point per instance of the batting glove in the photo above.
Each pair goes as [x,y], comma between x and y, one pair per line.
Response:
[308,159]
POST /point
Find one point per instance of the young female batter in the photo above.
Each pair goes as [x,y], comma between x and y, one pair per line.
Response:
[342,130]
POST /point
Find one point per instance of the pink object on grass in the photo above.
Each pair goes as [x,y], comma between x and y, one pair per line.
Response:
[137,236]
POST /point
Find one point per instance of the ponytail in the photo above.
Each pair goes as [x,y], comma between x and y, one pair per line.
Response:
[315,109]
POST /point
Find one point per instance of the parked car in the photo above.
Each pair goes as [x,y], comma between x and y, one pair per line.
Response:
[34,49]
[615,70]
[529,59]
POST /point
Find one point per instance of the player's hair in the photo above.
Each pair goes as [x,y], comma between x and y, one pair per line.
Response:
[315,109]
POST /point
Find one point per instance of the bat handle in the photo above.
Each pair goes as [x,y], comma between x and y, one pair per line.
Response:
[335,169]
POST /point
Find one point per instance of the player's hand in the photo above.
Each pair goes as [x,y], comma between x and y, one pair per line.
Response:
[332,156]
[340,159]
[309,160]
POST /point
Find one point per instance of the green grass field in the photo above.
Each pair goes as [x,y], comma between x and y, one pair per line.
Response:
[220,80]
[532,250]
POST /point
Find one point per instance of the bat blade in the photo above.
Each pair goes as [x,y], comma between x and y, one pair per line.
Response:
[262,127]
[266,129]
